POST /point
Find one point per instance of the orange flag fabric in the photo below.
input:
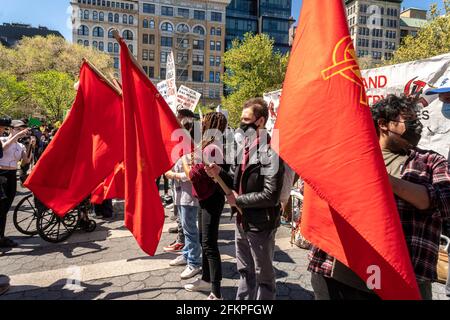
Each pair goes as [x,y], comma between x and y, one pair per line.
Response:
[149,124]
[326,134]
[85,149]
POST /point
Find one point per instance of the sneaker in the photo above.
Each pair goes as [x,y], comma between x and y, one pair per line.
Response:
[7,243]
[174,247]
[189,272]
[178,261]
[173,230]
[212,296]
[198,285]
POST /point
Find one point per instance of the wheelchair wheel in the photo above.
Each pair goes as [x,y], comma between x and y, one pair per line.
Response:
[25,216]
[55,229]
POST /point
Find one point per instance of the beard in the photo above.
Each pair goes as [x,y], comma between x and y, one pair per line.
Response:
[398,145]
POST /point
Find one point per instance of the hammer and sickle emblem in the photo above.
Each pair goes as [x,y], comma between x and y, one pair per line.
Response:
[345,65]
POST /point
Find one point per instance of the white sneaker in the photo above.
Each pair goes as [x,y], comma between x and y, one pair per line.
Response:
[212,296]
[198,285]
[189,272]
[179,261]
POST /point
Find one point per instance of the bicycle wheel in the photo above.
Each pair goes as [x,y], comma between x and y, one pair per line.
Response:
[25,216]
[55,229]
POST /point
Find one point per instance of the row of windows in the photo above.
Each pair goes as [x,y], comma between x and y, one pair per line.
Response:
[374,9]
[183,43]
[181,12]
[100,16]
[182,28]
[100,33]
[377,44]
[100,45]
[182,58]
[108,4]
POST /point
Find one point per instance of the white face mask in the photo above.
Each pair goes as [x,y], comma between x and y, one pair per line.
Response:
[446,110]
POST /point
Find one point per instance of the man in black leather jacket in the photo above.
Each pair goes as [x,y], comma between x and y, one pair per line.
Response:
[256,182]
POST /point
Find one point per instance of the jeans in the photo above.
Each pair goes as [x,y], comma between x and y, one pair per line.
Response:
[254,257]
[192,249]
[5,204]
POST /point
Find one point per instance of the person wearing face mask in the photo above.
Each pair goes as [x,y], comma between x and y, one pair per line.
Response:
[420,181]
[256,183]
[13,153]
[444,96]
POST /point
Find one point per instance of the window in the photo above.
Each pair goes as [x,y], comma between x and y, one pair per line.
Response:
[125,19]
[182,75]
[198,60]
[151,72]
[166,41]
[218,61]
[83,30]
[162,73]
[163,57]
[145,55]
[95,15]
[130,20]
[110,17]
[110,47]
[211,76]
[152,24]
[86,14]
[80,42]
[130,46]
[212,61]
[116,63]
[101,16]
[218,46]
[95,45]
[110,34]
[148,8]
[213,31]
[151,55]
[197,76]
[199,30]
[116,48]
[217,77]
[145,38]
[145,23]
[86,43]
[167,26]
[183,28]
[167,11]
[183,43]
[183,13]
[199,44]
[218,31]
[216,16]
[212,45]
[116,18]
[199,15]
[127,35]
[98,32]
[182,58]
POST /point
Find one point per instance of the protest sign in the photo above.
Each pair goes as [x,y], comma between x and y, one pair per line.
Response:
[187,98]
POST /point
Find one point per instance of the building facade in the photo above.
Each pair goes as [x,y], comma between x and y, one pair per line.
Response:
[272,17]
[94,20]
[374,26]
[411,20]
[12,33]
[195,31]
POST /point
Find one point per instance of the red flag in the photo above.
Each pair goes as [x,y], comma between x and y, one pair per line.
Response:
[149,124]
[112,188]
[326,134]
[86,148]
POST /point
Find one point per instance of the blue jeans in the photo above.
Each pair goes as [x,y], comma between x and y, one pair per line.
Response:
[192,249]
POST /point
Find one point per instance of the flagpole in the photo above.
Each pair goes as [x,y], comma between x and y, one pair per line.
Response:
[104,78]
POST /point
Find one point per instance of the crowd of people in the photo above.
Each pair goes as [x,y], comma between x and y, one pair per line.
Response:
[258,193]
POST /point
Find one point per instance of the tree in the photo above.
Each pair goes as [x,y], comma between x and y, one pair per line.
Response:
[52,93]
[433,39]
[13,95]
[252,68]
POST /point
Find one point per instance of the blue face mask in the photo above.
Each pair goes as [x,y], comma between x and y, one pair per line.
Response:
[446,110]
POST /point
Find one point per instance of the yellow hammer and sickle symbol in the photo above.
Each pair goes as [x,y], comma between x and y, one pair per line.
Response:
[345,65]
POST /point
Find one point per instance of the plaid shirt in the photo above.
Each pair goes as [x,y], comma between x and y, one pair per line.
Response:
[422,228]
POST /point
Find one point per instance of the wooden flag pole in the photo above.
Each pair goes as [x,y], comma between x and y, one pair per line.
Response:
[104,78]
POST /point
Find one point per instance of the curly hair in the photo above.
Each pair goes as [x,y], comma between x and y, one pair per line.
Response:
[391,107]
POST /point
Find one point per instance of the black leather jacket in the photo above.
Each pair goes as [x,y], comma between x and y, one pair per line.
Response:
[261,189]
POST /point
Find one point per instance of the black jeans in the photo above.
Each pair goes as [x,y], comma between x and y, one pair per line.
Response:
[209,220]
[330,289]
[10,189]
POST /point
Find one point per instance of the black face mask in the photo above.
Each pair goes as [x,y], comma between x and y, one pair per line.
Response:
[247,126]
[413,132]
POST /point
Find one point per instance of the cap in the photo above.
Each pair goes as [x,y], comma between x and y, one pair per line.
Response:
[444,87]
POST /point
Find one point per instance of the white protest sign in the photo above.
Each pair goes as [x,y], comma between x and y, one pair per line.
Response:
[170,71]
[187,98]
[168,89]
[416,77]
[273,102]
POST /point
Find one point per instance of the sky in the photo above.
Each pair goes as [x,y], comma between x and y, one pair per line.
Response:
[55,14]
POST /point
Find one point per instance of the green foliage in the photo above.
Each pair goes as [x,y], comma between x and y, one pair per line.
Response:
[252,68]
[37,76]
[432,40]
